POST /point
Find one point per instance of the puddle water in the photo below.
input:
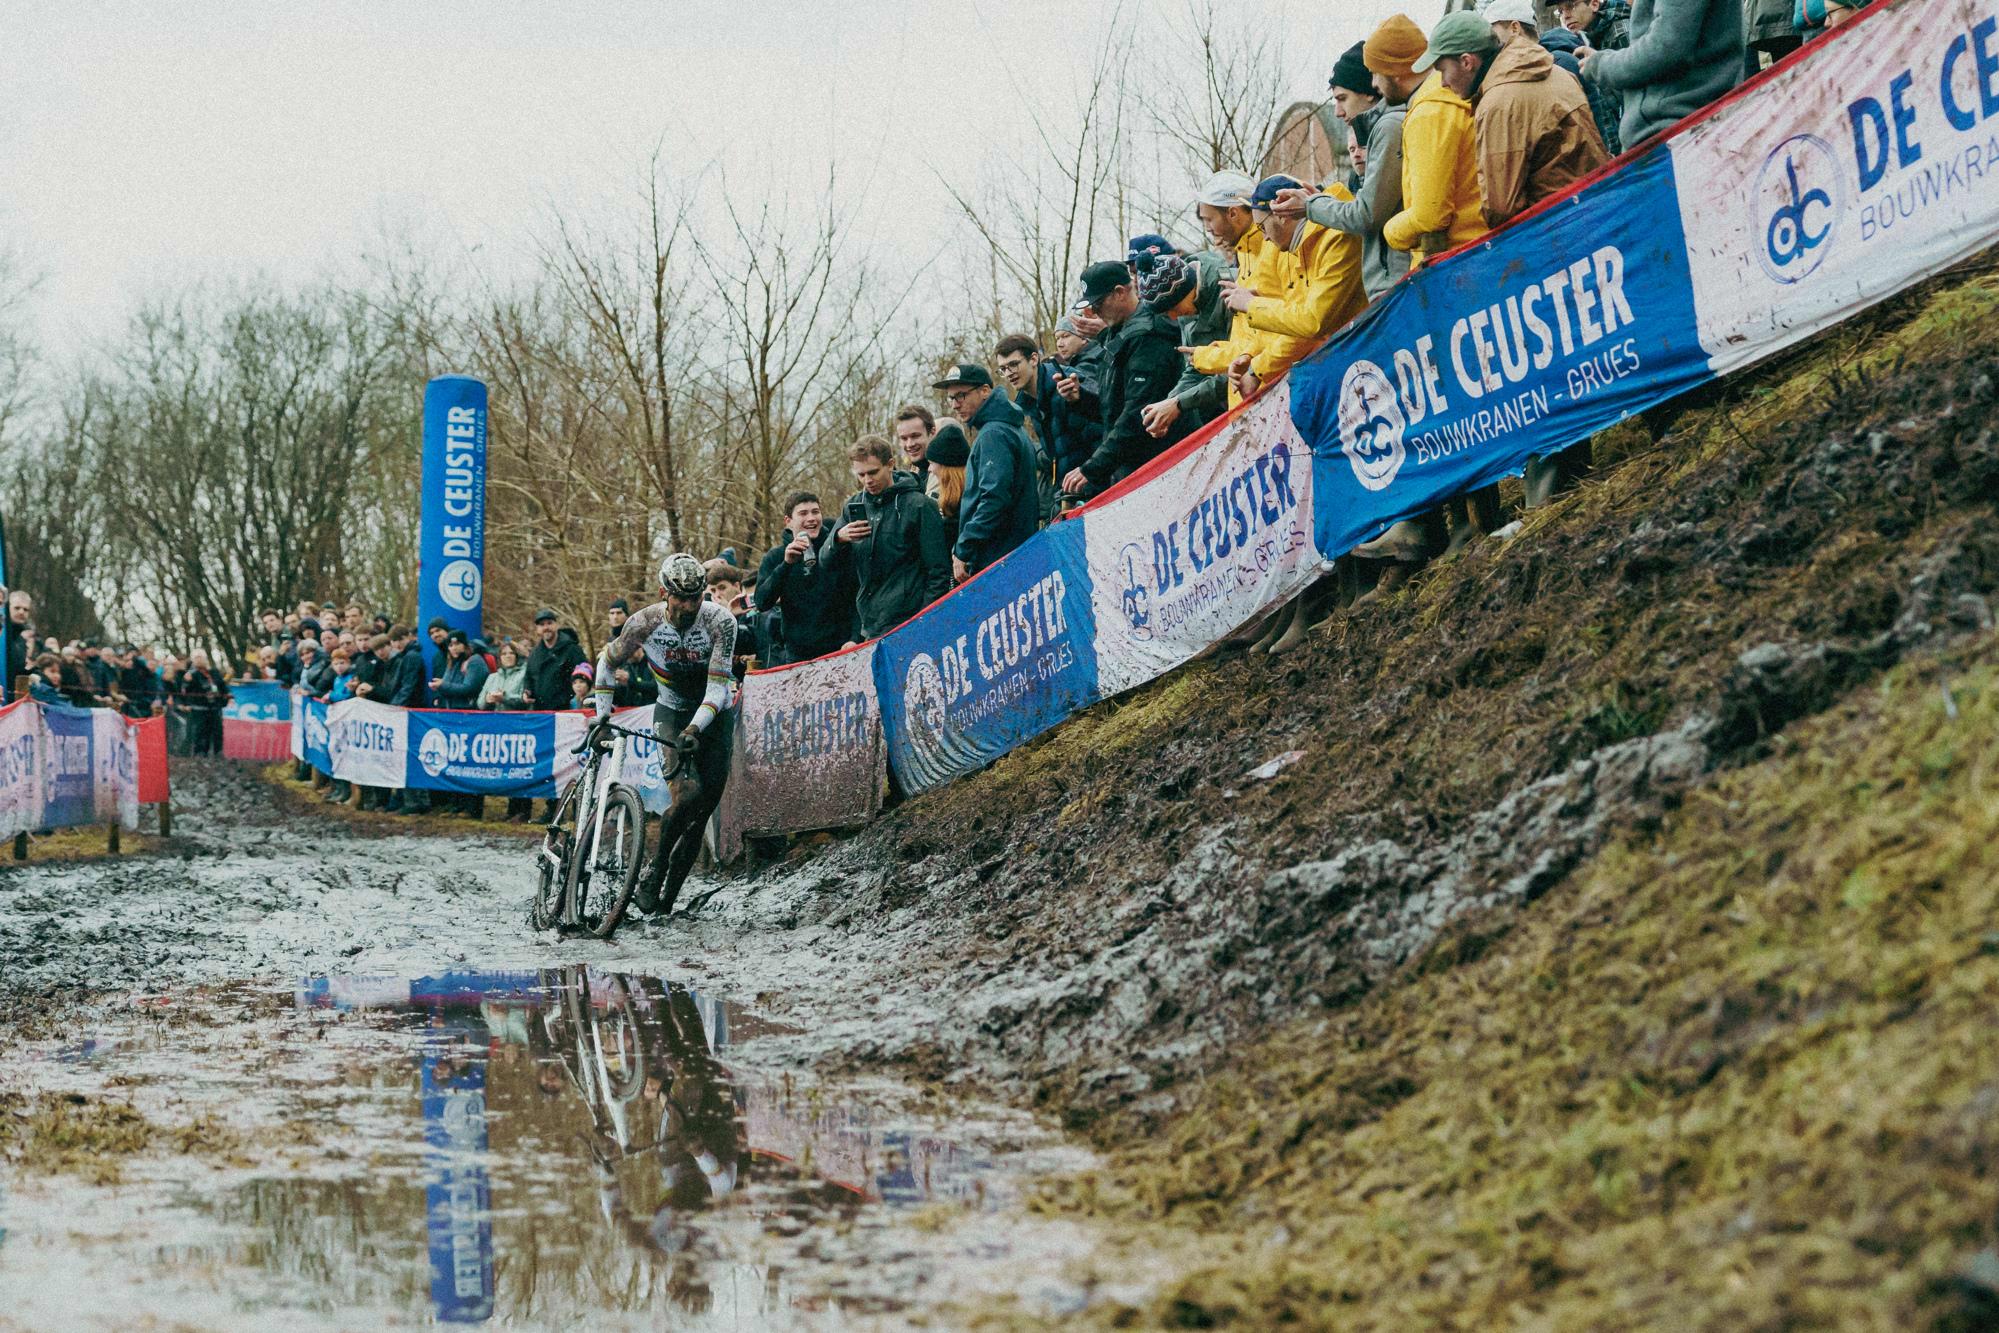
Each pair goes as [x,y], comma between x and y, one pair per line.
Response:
[516,1147]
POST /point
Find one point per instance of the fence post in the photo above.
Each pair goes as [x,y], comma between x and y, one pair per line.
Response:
[20,846]
[166,819]
[112,841]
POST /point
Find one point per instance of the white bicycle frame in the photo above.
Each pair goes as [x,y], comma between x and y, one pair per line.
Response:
[590,820]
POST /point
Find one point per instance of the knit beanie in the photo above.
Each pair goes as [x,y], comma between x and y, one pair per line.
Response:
[949,447]
[1395,47]
[1164,280]
[1350,72]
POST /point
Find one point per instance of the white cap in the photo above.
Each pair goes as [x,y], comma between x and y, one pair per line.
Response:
[1509,11]
[1226,189]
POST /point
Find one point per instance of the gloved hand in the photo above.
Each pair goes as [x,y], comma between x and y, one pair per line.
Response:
[600,707]
[684,747]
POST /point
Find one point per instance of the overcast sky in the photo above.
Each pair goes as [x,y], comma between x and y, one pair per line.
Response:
[146,144]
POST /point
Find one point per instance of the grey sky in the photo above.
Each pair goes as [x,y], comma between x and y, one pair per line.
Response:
[148,144]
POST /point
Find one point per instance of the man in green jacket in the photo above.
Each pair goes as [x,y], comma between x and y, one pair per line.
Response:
[1144,366]
[892,537]
[1188,290]
[1002,503]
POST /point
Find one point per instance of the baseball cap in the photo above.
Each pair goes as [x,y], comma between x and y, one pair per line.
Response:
[546,613]
[1509,11]
[1104,277]
[1225,189]
[1456,34]
[1267,188]
[966,372]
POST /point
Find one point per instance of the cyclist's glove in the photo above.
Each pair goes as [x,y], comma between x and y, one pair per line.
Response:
[684,747]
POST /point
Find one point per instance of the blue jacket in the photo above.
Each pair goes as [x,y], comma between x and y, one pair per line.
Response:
[1069,431]
[1002,504]
[458,685]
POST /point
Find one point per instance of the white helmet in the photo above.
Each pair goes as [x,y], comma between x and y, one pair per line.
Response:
[683,576]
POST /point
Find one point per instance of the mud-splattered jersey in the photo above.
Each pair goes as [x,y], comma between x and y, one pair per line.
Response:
[694,666]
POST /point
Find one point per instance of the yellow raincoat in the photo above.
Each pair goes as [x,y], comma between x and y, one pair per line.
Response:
[1322,291]
[1442,207]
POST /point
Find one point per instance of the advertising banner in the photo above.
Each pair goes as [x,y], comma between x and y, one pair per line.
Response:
[1846,176]
[810,753]
[312,731]
[451,538]
[69,774]
[367,742]
[1202,547]
[149,745]
[256,724]
[458,1197]
[1566,324]
[114,769]
[485,754]
[1006,658]
[21,792]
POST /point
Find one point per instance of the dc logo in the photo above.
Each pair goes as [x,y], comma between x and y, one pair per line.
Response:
[1133,599]
[315,731]
[434,753]
[459,584]
[1371,425]
[923,701]
[1798,203]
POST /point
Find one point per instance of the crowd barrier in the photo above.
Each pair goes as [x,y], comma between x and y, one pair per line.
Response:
[257,724]
[68,767]
[1823,187]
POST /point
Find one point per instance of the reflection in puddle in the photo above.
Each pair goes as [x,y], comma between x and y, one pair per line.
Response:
[548,1146]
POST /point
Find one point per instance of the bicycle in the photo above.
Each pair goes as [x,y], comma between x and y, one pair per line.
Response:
[594,849]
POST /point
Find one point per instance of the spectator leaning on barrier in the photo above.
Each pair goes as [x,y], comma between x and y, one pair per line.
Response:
[205,694]
[1683,55]
[950,453]
[462,674]
[408,688]
[20,632]
[1074,380]
[546,683]
[1187,289]
[1145,364]
[1601,25]
[504,684]
[1017,358]
[1002,506]
[581,682]
[914,425]
[891,537]
[1375,134]
[1223,208]
[315,669]
[45,685]
[1322,287]
[1441,204]
[817,602]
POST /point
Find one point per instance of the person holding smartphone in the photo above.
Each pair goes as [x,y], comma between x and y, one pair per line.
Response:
[891,538]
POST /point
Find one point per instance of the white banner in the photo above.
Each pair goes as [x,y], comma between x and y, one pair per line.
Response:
[1202,548]
[1866,167]
[810,753]
[367,742]
[114,778]
[21,768]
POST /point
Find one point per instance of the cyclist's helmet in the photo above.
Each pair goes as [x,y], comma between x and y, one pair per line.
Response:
[683,576]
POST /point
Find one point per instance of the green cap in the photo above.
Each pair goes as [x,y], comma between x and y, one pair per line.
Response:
[1457,34]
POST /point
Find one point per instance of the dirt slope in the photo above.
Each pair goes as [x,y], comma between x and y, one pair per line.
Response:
[1626,708]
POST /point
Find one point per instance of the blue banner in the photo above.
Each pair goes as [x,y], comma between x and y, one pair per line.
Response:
[451,542]
[318,734]
[69,790]
[259,701]
[458,1201]
[1580,317]
[486,754]
[996,665]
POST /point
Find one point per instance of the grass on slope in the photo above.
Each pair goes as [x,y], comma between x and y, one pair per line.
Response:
[1740,1073]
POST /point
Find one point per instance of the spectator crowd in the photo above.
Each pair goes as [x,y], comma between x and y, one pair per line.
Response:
[1452,133]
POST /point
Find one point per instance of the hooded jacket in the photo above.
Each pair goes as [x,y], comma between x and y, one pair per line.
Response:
[1377,197]
[1145,365]
[409,686]
[1002,503]
[460,683]
[816,602]
[1204,395]
[546,686]
[903,564]
[1322,291]
[1683,55]
[1536,136]
[1441,205]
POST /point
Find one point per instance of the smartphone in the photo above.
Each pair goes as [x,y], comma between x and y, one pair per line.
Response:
[855,511]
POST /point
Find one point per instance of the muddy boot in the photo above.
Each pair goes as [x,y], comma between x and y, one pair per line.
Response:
[1549,475]
[1312,606]
[338,793]
[1408,540]
[1459,515]
[1394,577]
[1279,626]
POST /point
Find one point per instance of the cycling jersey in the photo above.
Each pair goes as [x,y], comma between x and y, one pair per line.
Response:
[694,666]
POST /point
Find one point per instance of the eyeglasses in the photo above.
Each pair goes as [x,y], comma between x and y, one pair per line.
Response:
[956,396]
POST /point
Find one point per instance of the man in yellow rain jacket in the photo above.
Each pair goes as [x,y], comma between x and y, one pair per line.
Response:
[1223,207]
[1322,284]
[1442,207]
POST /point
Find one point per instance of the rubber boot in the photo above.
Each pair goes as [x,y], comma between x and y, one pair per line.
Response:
[1407,541]
[1279,626]
[1549,475]
[1314,606]
[1462,531]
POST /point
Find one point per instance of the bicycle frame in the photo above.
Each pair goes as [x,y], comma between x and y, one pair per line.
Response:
[591,780]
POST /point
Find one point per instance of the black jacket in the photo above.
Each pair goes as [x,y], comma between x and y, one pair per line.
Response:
[1145,364]
[1002,504]
[548,672]
[816,602]
[140,687]
[1069,431]
[903,566]
[409,684]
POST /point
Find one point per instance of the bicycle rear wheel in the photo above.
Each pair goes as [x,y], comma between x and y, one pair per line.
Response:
[613,863]
[558,843]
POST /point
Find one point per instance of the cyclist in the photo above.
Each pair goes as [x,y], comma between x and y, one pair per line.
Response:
[689,646]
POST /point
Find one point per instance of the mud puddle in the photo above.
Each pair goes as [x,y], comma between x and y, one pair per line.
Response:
[533,1147]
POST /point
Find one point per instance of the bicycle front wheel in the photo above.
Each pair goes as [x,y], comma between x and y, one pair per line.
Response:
[613,869]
